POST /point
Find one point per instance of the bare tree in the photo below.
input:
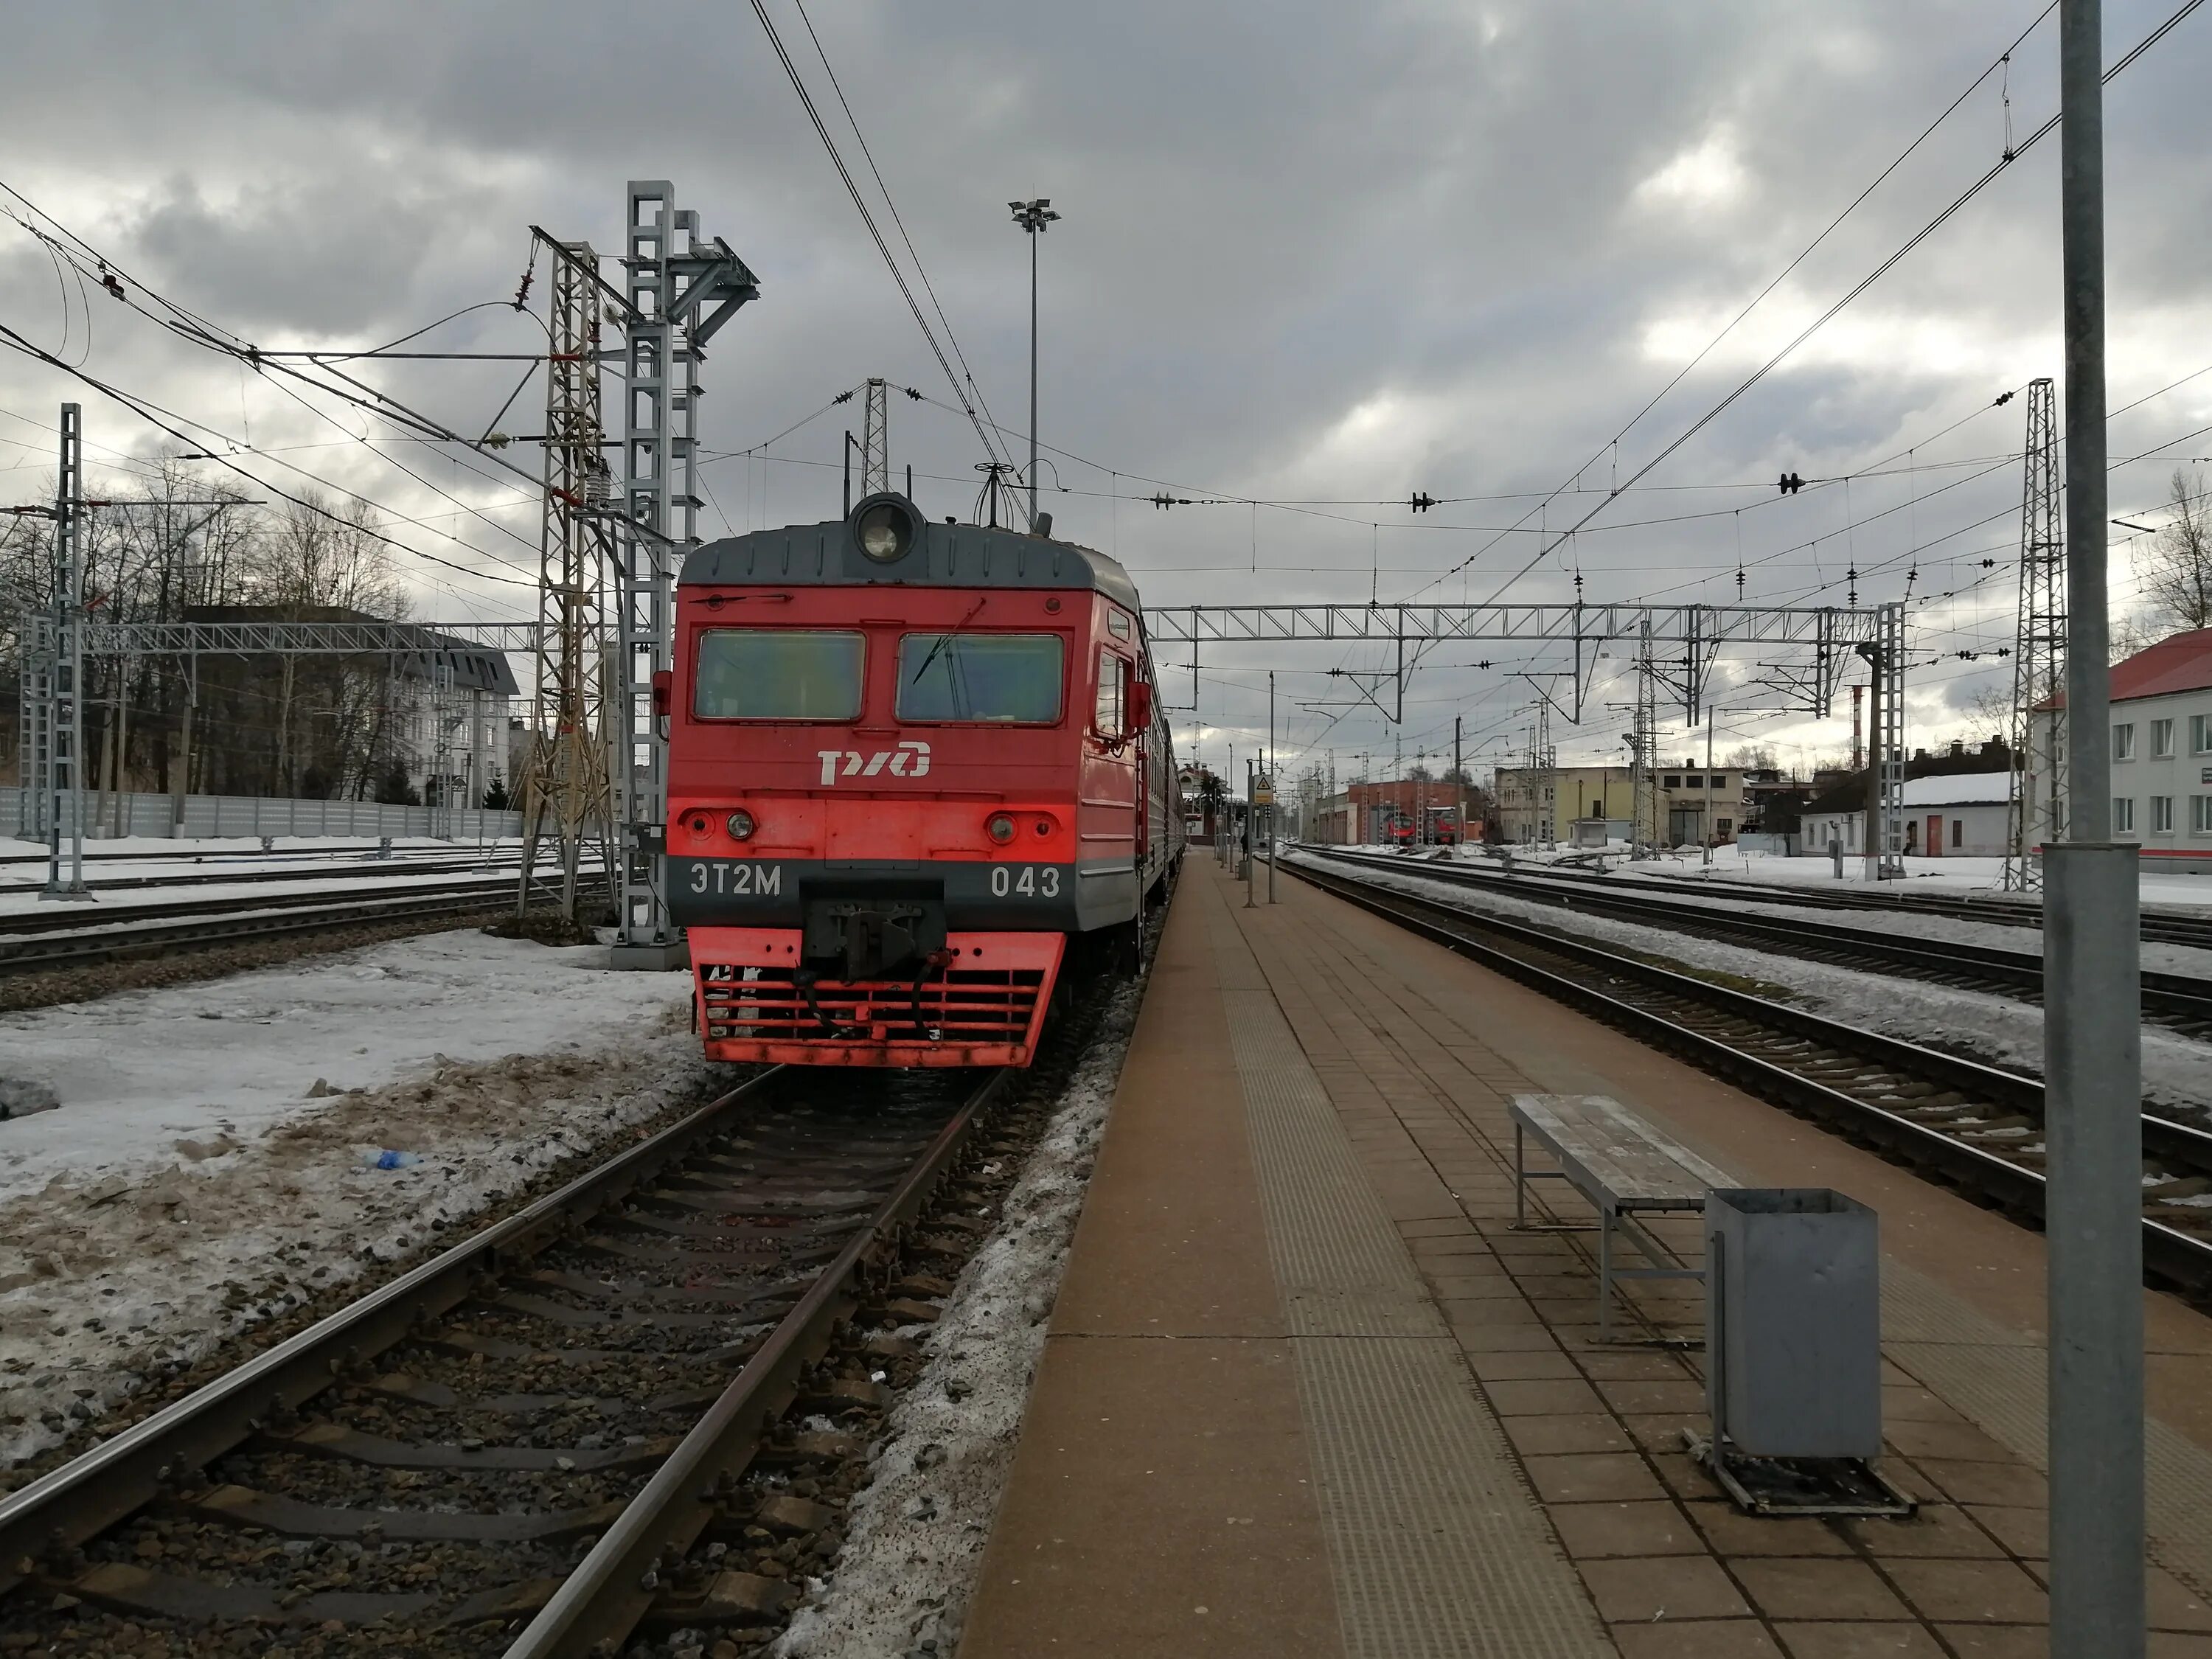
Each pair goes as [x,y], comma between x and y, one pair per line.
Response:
[1751,757]
[2178,570]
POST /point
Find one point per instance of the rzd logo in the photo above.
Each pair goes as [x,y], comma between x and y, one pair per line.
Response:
[910,760]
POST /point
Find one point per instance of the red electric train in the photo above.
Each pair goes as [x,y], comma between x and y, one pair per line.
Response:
[917,774]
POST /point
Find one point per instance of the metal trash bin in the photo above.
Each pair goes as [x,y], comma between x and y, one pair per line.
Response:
[1793,1334]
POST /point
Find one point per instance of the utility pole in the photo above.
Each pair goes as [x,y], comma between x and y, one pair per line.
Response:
[1251,829]
[1705,819]
[1033,218]
[1459,787]
[1274,764]
[2092,1002]
[678,290]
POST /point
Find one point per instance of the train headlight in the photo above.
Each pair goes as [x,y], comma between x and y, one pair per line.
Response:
[1001,828]
[741,825]
[884,527]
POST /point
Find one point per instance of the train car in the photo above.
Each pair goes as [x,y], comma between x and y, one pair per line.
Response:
[917,777]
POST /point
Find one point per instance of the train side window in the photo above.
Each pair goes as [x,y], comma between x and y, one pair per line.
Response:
[1112,718]
[1117,624]
[778,674]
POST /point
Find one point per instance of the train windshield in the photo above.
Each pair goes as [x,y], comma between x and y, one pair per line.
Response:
[1010,678]
[778,674]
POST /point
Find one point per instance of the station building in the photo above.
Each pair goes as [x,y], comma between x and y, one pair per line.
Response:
[2161,751]
[1687,797]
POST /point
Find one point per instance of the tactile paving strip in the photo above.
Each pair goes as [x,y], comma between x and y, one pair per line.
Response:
[1438,1546]
[1999,1377]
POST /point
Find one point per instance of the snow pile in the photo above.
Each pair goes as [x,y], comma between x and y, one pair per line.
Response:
[916,1532]
[194,1182]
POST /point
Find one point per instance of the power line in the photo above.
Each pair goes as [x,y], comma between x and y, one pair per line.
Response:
[868,219]
[1817,323]
[152,414]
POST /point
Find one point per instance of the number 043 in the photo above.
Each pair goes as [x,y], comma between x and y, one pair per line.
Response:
[1028,880]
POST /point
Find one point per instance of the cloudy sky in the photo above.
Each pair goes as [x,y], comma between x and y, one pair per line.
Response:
[1314,257]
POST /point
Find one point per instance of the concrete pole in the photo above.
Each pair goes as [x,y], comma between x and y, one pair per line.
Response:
[1709,787]
[2093,1030]
[1870,841]
[1250,838]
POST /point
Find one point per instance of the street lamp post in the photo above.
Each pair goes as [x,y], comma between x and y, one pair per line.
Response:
[1033,218]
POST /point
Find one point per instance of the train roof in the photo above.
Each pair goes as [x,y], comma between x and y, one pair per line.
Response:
[943,555]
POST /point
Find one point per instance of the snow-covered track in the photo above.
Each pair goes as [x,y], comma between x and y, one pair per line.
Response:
[76,937]
[365,870]
[2177,1000]
[2158,926]
[1972,1125]
[511,1447]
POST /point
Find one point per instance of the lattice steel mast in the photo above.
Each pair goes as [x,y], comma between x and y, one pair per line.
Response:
[875,440]
[678,290]
[2038,663]
[564,785]
[62,720]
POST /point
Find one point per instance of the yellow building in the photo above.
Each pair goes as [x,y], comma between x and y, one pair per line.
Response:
[1677,816]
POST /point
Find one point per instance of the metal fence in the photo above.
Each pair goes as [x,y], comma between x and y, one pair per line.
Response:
[206,817]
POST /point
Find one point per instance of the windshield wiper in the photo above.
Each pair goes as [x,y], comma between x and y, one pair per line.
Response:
[942,640]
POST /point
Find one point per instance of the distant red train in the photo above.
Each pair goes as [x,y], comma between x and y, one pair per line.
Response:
[917,774]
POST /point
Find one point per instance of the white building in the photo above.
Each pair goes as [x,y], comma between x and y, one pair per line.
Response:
[2162,753]
[1962,815]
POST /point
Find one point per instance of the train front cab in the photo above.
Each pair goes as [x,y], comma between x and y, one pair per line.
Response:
[933,823]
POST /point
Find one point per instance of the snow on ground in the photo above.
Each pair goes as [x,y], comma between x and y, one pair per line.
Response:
[189,1183]
[1994,935]
[337,866]
[2176,1070]
[916,1532]
[1958,877]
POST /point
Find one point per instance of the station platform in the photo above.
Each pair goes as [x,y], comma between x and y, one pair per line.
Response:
[1308,1392]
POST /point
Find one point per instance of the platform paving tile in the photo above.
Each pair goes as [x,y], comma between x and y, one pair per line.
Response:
[1645,1527]
[2023,1531]
[2175,1607]
[1704,1638]
[1859,1642]
[1538,1437]
[1967,1592]
[1652,1589]
[1836,1587]
[1936,1531]
[1592,1478]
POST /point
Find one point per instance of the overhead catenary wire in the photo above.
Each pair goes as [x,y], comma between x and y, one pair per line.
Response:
[154,415]
[868,220]
[1888,265]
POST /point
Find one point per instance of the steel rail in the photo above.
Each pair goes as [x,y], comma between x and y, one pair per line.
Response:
[2177,997]
[610,1591]
[277,917]
[2168,1254]
[457,864]
[2159,927]
[88,1495]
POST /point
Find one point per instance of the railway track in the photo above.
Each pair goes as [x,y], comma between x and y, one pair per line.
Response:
[2178,1000]
[1976,1127]
[513,1448]
[636,1406]
[351,868]
[70,938]
[2157,926]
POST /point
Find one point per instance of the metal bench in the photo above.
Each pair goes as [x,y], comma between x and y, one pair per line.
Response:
[1623,1168]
